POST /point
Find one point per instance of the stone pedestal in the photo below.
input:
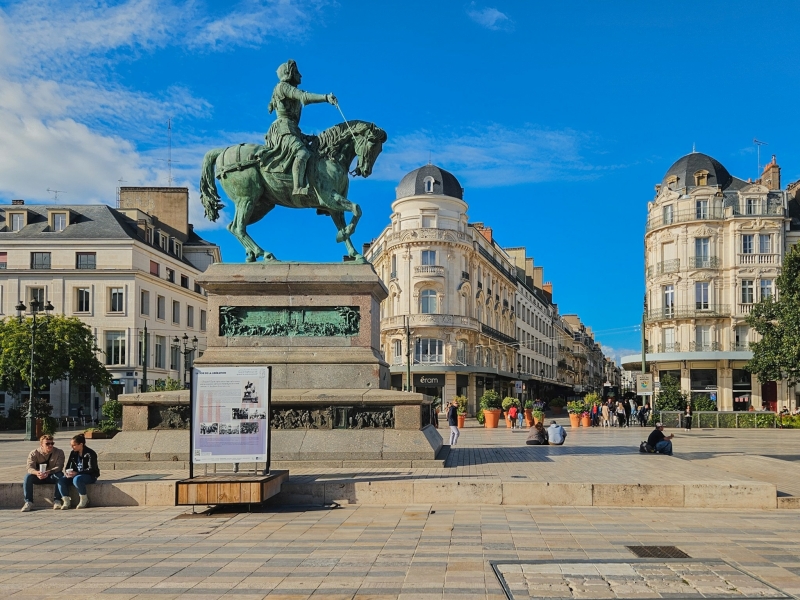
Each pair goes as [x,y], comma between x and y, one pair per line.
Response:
[318,327]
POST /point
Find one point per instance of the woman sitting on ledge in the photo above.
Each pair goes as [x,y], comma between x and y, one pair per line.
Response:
[81,470]
[537,436]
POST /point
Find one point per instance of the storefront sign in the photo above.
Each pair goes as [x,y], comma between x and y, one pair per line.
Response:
[426,380]
[644,384]
[230,412]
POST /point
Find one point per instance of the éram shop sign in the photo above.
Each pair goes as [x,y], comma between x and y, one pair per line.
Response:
[426,380]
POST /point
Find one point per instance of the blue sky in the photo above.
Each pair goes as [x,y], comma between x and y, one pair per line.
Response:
[558,118]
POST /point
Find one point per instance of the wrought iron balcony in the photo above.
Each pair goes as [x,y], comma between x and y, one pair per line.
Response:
[704,347]
[759,210]
[672,265]
[706,262]
[673,347]
[498,335]
[683,216]
[434,270]
[688,312]
[740,346]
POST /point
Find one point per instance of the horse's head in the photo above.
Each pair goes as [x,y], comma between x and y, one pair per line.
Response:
[369,144]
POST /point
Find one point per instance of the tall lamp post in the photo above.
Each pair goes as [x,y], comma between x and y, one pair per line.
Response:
[187,349]
[36,308]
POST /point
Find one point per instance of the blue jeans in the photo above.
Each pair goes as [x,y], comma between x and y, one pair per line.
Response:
[79,481]
[32,480]
[662,447]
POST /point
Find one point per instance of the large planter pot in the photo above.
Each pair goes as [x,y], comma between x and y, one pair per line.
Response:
[508,419]
[98,435]
[574,420]
[529,420]
[586,421]
[491,418]
[556,410]
[461,419]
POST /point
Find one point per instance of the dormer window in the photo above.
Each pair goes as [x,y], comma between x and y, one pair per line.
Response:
[701,178]
[672,182]
[428,184]
[59,221]
[17,221]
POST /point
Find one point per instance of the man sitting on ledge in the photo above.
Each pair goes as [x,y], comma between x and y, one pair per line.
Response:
[659,441]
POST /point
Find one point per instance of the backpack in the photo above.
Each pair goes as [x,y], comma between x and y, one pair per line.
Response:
[646,448]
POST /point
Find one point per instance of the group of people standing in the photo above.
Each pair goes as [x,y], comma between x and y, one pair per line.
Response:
[619,413]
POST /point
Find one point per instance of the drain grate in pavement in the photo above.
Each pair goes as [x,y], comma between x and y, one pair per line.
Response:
[711,579]
[657,552]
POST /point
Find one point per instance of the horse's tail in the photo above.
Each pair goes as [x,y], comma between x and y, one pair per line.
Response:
[208,187]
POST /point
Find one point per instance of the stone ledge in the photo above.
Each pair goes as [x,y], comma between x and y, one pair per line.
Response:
[789,502]
[118,493]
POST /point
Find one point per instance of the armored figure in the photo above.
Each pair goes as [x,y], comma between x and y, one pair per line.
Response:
[285,145]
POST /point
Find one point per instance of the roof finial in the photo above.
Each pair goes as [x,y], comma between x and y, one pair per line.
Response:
[693,148]
[429,158]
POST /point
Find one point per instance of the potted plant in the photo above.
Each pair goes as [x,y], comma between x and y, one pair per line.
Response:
[529,413]
[575,409]
[590,399]
[462,410]
[491,405]
[508,402]
[108,427]
[556,404]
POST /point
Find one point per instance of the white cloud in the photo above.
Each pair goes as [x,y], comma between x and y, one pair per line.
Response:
[490,18]
[66,124]
[491,155]
[618,353]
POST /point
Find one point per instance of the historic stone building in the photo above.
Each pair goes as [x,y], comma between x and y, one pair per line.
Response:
[117,270]
[714,245]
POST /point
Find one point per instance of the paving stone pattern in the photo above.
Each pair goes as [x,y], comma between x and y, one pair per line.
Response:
[652,579]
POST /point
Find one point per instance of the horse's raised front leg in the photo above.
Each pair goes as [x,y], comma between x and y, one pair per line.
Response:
[338,220]
[238,227]
[345,205]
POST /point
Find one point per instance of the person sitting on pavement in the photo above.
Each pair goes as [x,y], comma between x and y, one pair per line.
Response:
[45,465]
[556,434]
[81,470]
[660,442]
[537,436]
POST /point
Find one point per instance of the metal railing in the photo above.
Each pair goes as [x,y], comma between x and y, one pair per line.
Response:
[759,210]
[704,346]
[740,346]
[706,262]
[672,265]
[674,347]
[431,320]
[686,312]
[762,419]
[429,270]
[498,335]
[683,216]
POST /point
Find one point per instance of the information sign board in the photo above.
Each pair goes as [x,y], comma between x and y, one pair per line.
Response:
[230,414]
[644,384]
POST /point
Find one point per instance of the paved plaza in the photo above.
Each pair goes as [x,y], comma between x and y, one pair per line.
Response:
[437,549]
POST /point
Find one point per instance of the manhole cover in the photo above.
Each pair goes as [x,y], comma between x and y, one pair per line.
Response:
[657,552]
[145,477]
[636,578]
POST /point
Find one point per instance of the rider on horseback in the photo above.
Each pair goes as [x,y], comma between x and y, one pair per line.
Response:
[286,146]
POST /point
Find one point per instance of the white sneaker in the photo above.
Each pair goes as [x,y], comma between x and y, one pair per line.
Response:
[56,504]
[27,507]
[84,502]
[66,502]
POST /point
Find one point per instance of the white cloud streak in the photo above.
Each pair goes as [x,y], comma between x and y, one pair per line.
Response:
[490,18]
[66,124]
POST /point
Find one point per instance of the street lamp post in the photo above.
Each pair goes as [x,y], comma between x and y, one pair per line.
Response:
[187,349]
[36,307]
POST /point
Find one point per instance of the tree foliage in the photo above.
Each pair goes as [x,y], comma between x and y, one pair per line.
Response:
[777,355]
[671,397]
[166,385]
[64,347]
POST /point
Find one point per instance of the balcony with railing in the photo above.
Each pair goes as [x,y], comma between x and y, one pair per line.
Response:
[428,320]
[704,347]
[740,346]
[688,312]
[705,262]
[744,308]
[498,335]
[683,216]
[672,265]
[758,210]
[758,259]
[429,270]
[673,347]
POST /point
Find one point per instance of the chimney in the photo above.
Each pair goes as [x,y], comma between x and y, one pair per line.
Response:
[771,177]
[487,233]
[548,287]
[17,202]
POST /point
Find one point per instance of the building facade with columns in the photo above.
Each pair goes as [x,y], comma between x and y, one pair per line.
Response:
[714,245]
[119,271]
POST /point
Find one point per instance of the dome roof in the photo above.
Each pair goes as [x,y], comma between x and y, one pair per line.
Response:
[443,183]
[686,167]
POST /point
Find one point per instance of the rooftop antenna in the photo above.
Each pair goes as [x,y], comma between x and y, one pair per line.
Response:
[120,181]
[169,152]
[56,193]
[693,148]
[758,155]
[429,157]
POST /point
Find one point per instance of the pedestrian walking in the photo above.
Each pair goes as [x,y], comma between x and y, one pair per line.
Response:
[606,415]
[687,417]
[512,415]
[452,421]
[621,414]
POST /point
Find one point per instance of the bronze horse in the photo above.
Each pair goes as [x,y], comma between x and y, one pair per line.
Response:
[255,193]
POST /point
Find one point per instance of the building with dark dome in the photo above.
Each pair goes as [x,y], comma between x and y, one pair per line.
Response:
[714,245]
[429,179]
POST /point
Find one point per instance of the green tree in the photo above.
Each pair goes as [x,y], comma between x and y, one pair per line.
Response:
[166,385]
[671,397]
[777,355]
[64,347]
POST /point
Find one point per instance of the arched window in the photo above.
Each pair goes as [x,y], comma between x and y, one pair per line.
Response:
[479,312]
[427,299]
[428,185]
[429,351]
[461,352]
[478,357]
